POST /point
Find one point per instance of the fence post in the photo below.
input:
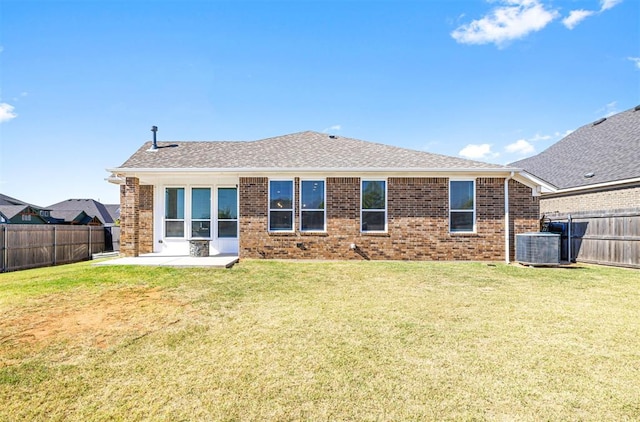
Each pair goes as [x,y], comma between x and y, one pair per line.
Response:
[5,252]
[55,245]
[89,241]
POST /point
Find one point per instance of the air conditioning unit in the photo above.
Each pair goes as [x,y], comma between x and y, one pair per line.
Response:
[541,248]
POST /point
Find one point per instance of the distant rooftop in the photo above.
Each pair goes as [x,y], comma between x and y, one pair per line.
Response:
[606,150]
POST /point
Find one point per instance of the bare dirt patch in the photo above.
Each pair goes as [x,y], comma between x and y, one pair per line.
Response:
[95,321]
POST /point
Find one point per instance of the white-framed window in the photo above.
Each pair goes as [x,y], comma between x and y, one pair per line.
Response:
[228,212]
[174,212]
[201,212]
[373,206]
[26,217]
[281,205]
[462,206]
[312,208]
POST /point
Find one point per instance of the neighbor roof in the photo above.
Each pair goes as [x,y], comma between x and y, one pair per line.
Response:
[606,150]
[303,150]
[91,207]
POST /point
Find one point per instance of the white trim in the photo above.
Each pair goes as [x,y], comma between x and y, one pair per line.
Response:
[324,201]
[249,171]
[386,205]
[292,209]
[473,211]
[507,244]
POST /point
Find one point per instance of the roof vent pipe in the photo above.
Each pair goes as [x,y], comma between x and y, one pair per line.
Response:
[154,129]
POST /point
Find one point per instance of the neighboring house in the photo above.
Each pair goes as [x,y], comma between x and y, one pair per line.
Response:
[313,195]
[90,207]
[73,217]
[114,212]
[20,214]
[593,178]
[9,201]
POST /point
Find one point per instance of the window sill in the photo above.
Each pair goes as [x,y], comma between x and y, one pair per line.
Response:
[319,234]
[464,234]
[375,234]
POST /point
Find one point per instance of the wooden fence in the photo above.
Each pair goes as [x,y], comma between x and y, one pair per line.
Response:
[39,245]
[609,237]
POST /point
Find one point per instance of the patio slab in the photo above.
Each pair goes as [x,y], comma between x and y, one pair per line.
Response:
[214,261]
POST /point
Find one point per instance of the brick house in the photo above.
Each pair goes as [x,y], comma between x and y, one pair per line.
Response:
[592,179]
[318,196]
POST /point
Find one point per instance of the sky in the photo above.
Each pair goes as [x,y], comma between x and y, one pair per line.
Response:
[82,82]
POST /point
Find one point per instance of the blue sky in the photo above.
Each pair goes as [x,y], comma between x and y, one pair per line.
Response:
[82,82]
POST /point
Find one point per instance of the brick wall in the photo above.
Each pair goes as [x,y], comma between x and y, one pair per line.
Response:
[615,199]
[145,222]
[129,217]
[136,218]
[417,217]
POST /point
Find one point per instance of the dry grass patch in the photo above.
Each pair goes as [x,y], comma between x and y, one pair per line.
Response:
[273,340]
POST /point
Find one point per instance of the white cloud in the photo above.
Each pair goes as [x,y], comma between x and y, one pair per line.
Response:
[521,147]
[6,112]
[636,60]
[539,137]
[608,110]
[575,17]
[334,128]
[608,4]
[477,152]
[561,135]
[514,20]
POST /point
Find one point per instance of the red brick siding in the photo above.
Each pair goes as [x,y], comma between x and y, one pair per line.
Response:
[146,219]
[417,218]
[129,217]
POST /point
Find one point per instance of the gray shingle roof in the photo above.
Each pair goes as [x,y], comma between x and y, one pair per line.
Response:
[303,150]
[92,207]
[610,150]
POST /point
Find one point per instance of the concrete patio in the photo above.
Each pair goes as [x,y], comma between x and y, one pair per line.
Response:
[214,261]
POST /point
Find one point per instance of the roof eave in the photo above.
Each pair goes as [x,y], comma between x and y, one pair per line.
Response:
[119,171]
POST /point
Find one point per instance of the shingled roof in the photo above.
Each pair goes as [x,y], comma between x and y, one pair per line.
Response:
[91,207]
[303,150]
[600,152]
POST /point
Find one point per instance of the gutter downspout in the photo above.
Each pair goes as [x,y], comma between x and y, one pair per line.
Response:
[569,238]
[507,244]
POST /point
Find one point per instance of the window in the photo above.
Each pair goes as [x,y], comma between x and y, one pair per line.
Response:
[312,215]
[174,212]
[462,206]
[201,212]
[26,217]
[227,212]
[281,205]
[373,214]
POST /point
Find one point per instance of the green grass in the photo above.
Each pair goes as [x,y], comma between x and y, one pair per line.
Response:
[273,341]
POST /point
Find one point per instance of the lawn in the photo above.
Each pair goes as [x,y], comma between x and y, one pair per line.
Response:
[335,341]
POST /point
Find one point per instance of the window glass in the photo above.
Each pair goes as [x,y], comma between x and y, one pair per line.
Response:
[201,203]
[373,216]
[281,205]
[227,212]
[461,205]
[312,192]
[312,215]
[174,212]
[281,192]
[174,203]
[227,203]
[462,195]
[373,195]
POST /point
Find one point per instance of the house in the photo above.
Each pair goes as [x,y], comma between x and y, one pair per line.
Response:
[593,182]
[20,214]
[319,196]
[15,211]
[90,207]
[73,217]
